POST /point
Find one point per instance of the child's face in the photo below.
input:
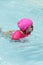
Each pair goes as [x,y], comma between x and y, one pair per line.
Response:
[30,29]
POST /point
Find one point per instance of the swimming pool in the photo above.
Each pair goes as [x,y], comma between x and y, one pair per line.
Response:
[30,50]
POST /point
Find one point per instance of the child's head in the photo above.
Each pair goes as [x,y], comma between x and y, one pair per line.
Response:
[29,30]
[25,25]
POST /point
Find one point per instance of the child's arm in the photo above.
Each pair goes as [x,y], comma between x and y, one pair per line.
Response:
[6,34]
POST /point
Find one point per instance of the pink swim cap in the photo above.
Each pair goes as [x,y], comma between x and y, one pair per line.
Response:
[24,23]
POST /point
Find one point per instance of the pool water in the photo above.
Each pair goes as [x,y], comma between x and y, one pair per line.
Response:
[30,50]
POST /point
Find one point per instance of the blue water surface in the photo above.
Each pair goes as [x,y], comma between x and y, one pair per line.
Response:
[30,50]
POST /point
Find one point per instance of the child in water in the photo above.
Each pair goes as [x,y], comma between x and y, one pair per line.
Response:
[26,27]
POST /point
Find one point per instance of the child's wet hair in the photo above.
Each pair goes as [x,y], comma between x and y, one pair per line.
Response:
[32,27]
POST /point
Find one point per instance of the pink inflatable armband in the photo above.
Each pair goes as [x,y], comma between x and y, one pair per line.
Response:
[18,35]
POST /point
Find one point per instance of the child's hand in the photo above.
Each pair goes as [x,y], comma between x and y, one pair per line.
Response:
[9,32]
